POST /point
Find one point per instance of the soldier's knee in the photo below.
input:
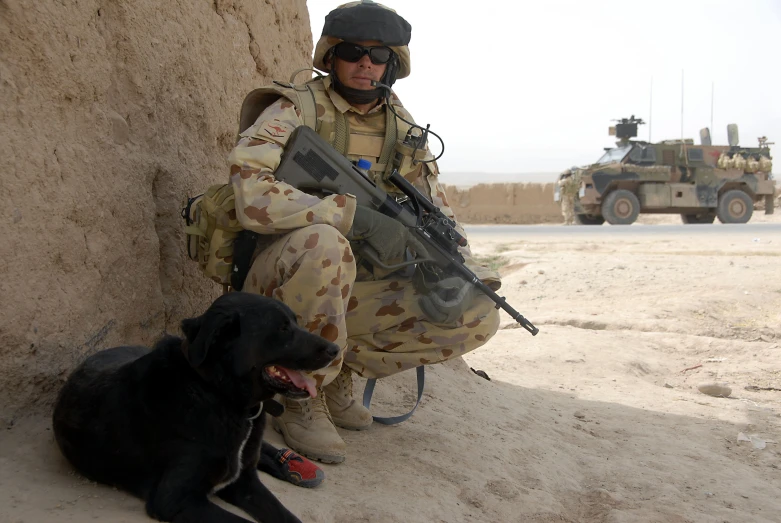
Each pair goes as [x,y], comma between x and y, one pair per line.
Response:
[484,315]
[325,241]
[322,234]
[492,321]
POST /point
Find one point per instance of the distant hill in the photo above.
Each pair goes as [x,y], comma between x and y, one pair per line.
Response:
[466,179]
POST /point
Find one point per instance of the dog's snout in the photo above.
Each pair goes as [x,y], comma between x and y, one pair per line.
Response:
[322,347]
[331,350]
[316,351]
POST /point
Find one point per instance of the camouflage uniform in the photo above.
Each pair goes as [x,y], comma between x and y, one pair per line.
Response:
[305,261]
[568,188]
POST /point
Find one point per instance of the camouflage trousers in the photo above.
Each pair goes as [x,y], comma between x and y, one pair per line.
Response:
[568,209]
[378,323]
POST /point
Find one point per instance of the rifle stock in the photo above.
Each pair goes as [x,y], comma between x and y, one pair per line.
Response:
[309,163]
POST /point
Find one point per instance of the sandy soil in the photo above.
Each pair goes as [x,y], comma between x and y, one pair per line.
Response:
[596,419]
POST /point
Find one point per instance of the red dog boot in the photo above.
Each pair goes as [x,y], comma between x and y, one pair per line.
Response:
[288,466]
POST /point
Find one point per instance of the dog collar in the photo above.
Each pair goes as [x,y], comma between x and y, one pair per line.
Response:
[260,408]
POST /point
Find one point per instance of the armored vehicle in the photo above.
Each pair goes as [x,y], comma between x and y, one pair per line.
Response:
[699,182]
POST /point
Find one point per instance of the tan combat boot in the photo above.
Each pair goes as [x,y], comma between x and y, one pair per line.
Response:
[345,411]
[307,428]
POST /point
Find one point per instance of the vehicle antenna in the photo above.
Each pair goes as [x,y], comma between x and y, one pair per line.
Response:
[651,109]
[712,88]
[683,140]
[681,105]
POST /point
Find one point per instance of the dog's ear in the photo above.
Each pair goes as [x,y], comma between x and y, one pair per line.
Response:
[206,331]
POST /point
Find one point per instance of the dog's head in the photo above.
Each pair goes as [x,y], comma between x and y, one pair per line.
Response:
[253,346]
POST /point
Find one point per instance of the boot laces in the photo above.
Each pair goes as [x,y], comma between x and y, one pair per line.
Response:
[344,381]
[316,407]
[310,408]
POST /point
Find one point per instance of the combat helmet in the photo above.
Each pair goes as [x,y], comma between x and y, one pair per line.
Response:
[367,20]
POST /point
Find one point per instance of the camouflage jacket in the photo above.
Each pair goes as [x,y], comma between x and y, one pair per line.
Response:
[271,207]
[570,185]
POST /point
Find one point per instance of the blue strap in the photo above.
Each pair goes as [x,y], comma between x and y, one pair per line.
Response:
[369,390]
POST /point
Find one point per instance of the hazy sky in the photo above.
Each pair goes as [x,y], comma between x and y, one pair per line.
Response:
[516,86]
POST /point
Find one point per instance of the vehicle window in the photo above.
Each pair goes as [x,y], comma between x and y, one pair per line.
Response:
[642,154]
[614,155]
[694,155]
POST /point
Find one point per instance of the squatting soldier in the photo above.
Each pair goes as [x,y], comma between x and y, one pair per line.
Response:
[305,257]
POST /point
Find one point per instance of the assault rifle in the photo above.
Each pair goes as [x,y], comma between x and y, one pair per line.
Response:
[311,164]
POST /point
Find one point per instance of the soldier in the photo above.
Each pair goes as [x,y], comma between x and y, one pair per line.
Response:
[305,258]
[568,188]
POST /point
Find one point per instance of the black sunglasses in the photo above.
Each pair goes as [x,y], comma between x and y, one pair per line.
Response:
[350,52]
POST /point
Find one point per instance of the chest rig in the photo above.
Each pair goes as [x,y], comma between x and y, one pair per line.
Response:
[377,136]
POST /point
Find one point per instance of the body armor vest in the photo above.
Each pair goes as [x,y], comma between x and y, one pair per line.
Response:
[370,136]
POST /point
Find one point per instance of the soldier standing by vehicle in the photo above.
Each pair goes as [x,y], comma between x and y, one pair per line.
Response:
[305,258]
[568,188]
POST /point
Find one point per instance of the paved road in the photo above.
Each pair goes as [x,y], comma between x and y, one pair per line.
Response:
[749,229]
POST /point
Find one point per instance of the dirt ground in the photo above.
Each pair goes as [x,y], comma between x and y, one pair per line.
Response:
[596,419]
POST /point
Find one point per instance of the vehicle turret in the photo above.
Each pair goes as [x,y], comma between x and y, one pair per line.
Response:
[624,129]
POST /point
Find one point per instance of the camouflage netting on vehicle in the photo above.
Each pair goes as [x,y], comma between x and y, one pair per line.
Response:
[763,164]
[735,162]
[751,165]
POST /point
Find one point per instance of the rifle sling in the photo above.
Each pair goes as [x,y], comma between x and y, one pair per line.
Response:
[243,250]
[392,420]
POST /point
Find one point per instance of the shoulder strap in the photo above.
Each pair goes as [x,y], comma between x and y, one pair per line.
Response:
[306,99]
[336,130]
[259,99]
[389,146]
[342,134]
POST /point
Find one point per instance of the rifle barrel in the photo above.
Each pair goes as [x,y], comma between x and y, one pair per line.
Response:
[500,301]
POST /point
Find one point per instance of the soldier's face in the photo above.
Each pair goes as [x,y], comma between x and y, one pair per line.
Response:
[359,75]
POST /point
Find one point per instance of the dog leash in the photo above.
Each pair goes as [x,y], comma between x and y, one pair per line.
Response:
[392,420]
[260,409]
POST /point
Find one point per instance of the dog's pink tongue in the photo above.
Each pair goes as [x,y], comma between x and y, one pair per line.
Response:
[302,381]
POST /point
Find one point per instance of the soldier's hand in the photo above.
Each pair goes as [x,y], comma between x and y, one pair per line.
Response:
[448,299]
[384,234]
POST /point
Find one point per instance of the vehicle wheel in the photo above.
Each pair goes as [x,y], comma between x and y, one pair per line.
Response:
[621,207]
[589,219]
[735,206]
[703,217]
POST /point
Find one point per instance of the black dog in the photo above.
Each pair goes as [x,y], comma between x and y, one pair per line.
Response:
[178,422]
